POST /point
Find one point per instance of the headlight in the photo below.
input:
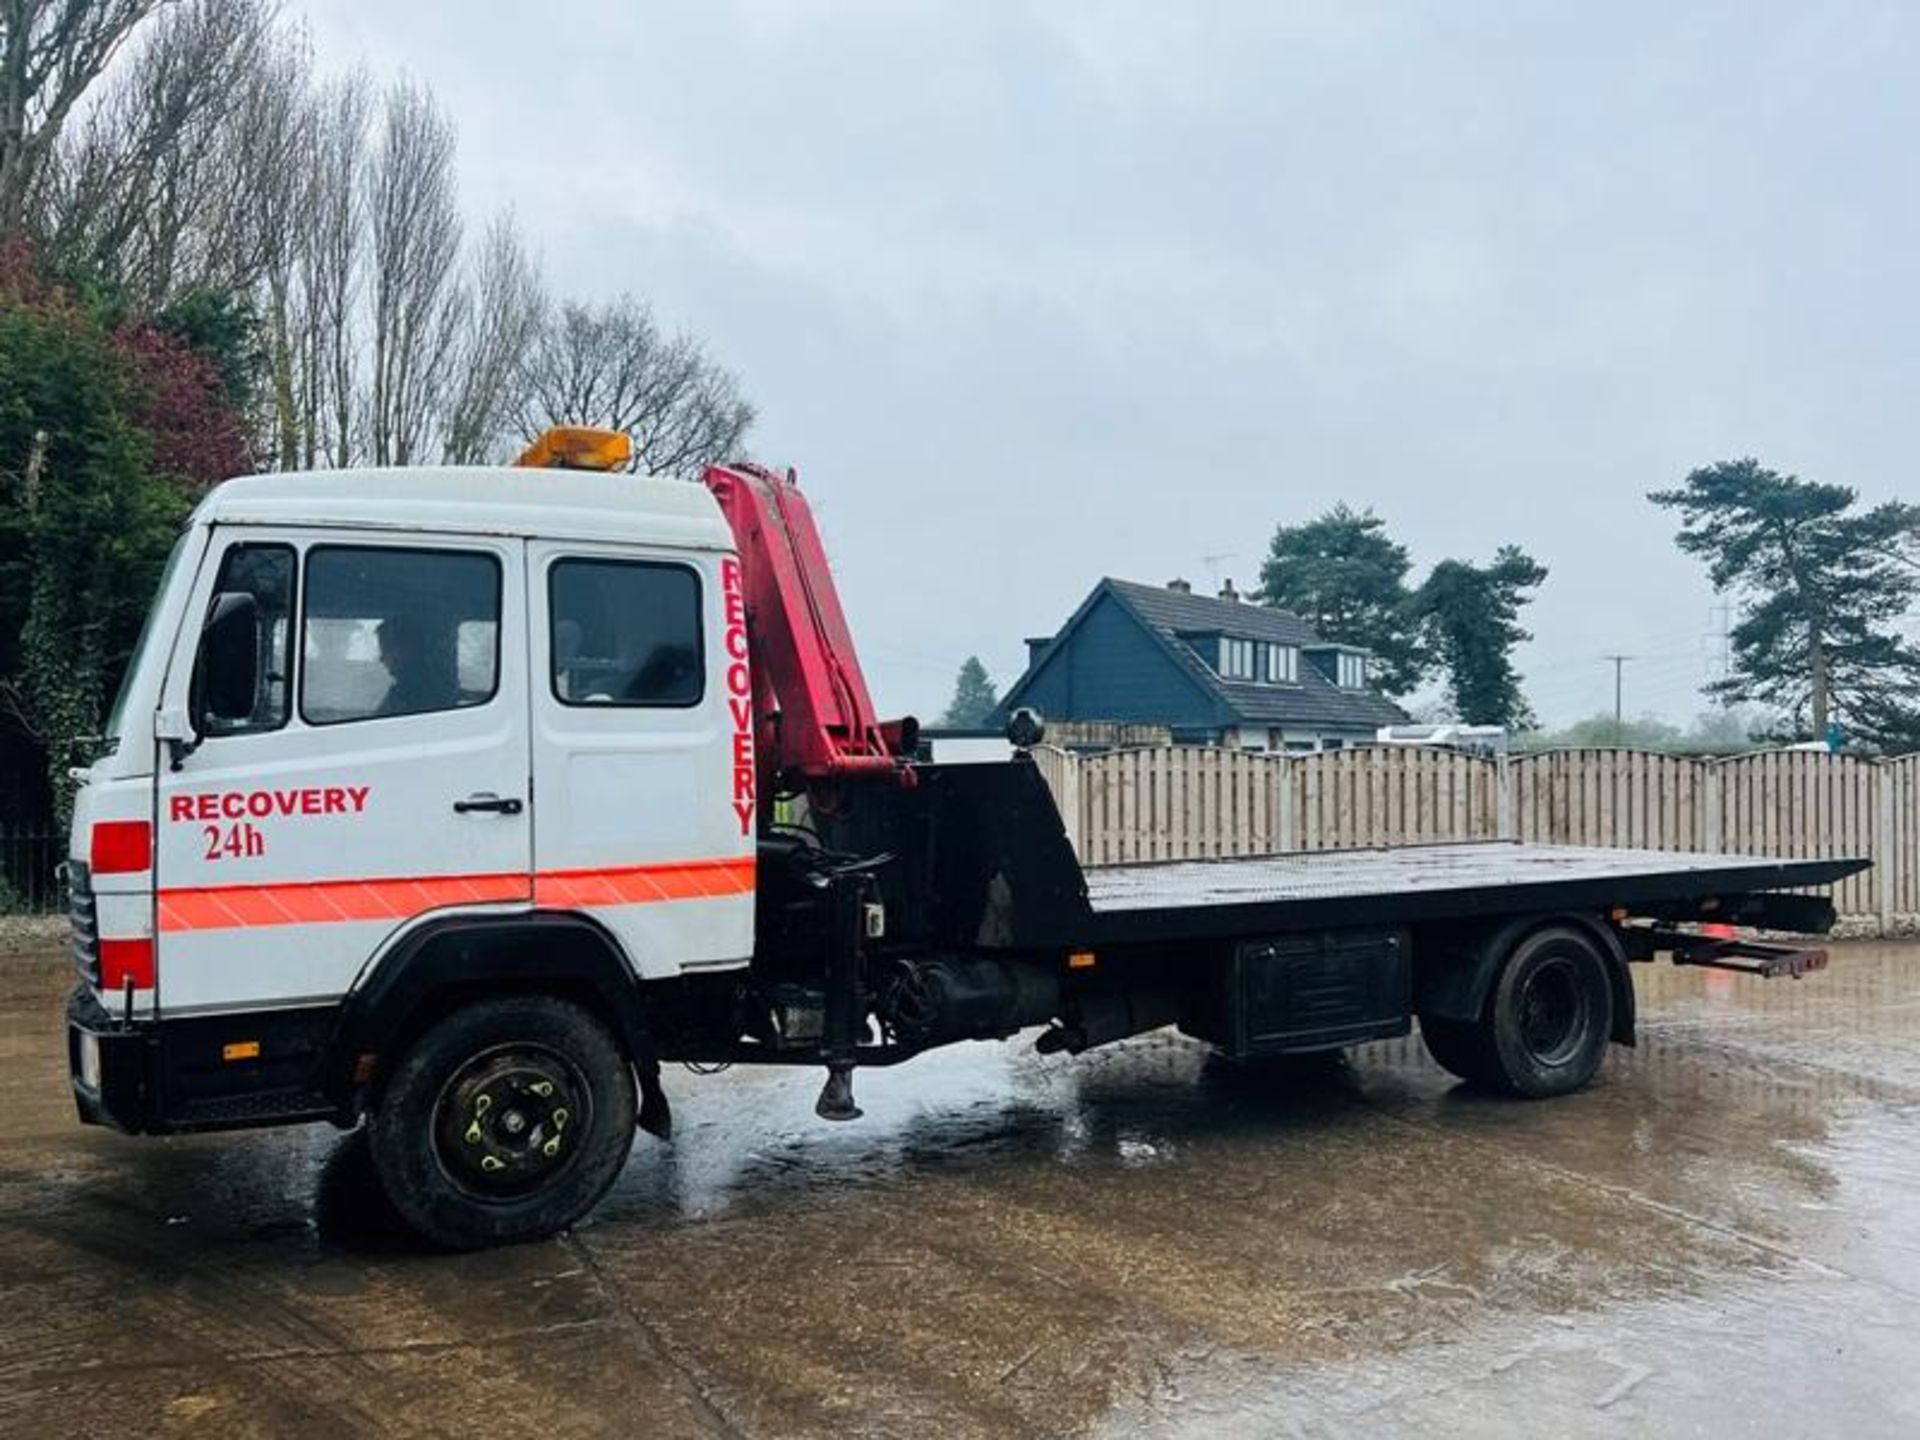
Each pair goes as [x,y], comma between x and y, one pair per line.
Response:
[90,1060]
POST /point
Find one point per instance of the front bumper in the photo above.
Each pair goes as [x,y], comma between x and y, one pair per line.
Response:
[168,1077]
[111,1064]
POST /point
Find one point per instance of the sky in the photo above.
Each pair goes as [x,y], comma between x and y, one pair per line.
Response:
[1033,293]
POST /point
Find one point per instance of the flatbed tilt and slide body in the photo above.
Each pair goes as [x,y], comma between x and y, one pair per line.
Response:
[461,803]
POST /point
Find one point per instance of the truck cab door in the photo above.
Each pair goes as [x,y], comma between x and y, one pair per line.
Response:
[359,759]
[635,746]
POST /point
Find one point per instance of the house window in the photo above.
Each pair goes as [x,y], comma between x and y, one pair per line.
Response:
[1353,671]
[1283,664]
[1236,659]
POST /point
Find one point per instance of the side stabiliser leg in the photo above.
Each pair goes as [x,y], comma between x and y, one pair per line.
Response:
[844,1009]
[836,1096]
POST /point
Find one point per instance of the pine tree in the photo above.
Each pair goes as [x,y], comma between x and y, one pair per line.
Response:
[1344,576]
[1471,615]
[1824,588]
[973,697]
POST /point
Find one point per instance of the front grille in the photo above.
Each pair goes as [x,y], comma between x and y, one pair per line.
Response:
[84,914]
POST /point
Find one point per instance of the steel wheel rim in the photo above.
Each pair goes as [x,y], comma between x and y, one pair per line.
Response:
[509,1120]
[1552,1011]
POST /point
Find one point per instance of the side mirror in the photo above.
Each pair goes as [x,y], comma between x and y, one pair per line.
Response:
[229,677]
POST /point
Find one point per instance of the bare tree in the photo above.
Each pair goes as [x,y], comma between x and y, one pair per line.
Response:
[505,309]
[51,52]
[265,144]
[331,254]
[704,423]
[413,217]
[208,159]
[169,184]
[610,365]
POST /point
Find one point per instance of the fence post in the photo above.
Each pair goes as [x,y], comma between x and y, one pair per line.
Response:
[1712,794]
[1283,837]
[1504,828]
[1060,768]
[1885,863]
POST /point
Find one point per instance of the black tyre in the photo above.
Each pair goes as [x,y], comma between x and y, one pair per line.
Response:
[1550,1015]
[1458,1047]
[505,1121]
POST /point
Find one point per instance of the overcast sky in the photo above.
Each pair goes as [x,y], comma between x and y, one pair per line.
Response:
[1035,293]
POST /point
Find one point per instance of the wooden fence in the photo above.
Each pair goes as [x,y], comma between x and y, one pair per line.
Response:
[1179,802]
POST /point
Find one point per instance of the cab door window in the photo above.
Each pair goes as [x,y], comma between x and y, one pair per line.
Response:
[263,574]
[625,633]
[398,632]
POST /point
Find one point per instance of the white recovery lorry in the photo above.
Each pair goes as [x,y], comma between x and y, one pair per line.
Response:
[444,801]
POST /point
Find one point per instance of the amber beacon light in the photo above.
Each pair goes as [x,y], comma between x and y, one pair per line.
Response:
[578,447]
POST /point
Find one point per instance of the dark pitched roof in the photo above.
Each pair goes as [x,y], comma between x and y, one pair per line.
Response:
[1178,613]
[1316,700]
[1171,615]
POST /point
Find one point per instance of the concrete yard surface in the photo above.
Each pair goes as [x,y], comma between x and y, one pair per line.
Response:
[1722,1237]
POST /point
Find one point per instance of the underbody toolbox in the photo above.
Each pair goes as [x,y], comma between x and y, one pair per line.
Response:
[1310,991]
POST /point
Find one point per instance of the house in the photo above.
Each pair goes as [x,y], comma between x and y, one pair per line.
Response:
[1213,671]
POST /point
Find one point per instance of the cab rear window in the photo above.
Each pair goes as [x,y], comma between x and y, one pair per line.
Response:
[625,633]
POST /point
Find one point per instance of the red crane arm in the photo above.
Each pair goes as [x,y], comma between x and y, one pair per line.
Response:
[814,720]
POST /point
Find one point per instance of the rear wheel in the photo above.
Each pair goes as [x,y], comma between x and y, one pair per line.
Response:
[507,1120]
[1546,1024]
[1551,1013]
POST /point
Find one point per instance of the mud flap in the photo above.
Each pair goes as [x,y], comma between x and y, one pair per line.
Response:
[656,1116]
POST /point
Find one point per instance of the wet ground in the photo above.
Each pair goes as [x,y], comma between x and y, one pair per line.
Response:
[1722,1238]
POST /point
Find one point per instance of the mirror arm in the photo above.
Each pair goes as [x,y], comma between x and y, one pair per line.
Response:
[176,732]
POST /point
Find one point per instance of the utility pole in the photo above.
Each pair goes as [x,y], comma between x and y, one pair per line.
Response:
[1720,663]
[1619,718]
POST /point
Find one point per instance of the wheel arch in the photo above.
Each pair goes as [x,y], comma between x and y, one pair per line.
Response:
[1455,967]
[433,969]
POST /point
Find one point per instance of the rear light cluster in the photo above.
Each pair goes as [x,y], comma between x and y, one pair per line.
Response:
[116,847]
[125,963]
[122,847]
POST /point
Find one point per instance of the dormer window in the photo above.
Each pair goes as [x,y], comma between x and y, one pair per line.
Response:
[1236,659]
[1261,661]
[1353,671]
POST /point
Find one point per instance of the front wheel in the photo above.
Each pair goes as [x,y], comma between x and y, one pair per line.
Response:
[505,1121]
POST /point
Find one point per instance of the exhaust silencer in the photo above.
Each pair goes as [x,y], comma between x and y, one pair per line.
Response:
[932,1002]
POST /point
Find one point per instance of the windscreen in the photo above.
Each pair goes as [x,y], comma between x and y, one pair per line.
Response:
[117,714]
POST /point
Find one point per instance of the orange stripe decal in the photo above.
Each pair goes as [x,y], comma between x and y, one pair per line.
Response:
[239,907]
[645,884]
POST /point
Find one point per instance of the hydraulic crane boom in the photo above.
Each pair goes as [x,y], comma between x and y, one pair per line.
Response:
[814,719]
